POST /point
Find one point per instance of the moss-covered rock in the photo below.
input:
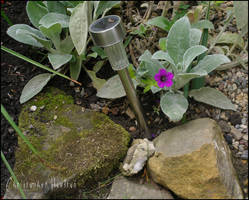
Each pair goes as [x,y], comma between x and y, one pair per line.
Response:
[78,146]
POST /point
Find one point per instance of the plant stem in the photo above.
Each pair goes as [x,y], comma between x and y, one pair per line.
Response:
[165,8]
[37,64]
[15,127]
[13,176]
[6,18]
[199,82]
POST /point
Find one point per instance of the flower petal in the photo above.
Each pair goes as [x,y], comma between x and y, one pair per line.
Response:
[169,75]
[162,71]
[168,83]
[157,77]
[161,84]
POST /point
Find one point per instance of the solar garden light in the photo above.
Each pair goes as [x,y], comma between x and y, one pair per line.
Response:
[108,32]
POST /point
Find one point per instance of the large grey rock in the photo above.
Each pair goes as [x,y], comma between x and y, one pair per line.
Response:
[131,188]
[78,146]
[194,161]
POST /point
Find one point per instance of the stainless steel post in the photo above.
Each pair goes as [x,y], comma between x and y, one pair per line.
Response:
[133,99]
[108,32]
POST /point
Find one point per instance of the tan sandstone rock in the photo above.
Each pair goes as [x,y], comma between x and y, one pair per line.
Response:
[193,161]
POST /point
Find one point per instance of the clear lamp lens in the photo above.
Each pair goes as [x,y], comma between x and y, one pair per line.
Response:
[117,56]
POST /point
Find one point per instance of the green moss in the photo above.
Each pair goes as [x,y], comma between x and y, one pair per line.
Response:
[91,147]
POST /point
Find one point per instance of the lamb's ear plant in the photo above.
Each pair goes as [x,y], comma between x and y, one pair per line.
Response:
[61,28]
[167,71]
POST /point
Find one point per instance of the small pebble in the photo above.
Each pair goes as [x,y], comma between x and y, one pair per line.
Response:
[244,155]
[33,108]
[243,121]
[234,86]
[236,133]
[235,118]
[78,102]
[237,126]
[10,130]
[223,116]
[71,83]
[77,89]
[241,147]
[83,109]
[245,137]
[95,106]
[236,145]
[132,129]
[82,92]
[243,126]
[242,142]
[224,126]
[157,120]
[228,138]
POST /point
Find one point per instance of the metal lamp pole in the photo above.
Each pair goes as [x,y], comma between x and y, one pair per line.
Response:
[108,32]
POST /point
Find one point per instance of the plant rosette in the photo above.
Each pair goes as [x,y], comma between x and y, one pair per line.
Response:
[170,69]
[61,28]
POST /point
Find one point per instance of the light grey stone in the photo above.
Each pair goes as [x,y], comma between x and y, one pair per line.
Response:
[236,133]
[245,137]
[33,108]
[131,188]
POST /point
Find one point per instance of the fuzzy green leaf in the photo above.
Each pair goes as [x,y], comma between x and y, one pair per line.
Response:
[174,106]
[57,60]
[56,7]
[23,33]
[182,79]
[203,24]
[78,27]
[178,39]
[162,43]
[113,88]
[161,55]
[231,38]
[195,36]
[191,54]
[53,33]
[149,64]
[75,67]
[34,86]
[97,82]
[212,97]
[53,18]
[210,63]
[35,12]
[241,14]
[161,22]
[104,6]
[66,45]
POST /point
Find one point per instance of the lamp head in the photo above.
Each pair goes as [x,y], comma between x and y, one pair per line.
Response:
[107,31]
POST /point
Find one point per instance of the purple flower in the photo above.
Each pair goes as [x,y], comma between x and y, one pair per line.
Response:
[164,78]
